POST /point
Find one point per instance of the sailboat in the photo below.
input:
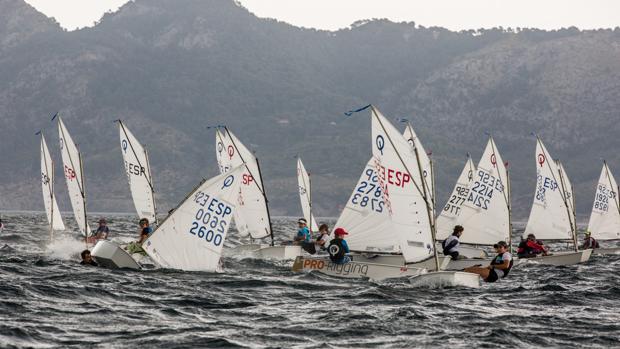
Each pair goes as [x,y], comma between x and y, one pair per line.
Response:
[604,221]
[401,199]
[139,174]
[192,237]
[485,214]
[371,238]
[252,216]
[552,216]
[73,171]
[448,218]
[47,182]
[305,195]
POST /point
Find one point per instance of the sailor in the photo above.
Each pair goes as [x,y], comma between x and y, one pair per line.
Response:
[145,224]
[1,225]
[322,240]
[338,247]
[303,233]
[102,230]
[87,259]
[531,247]
[589,241]
[136,246]
[451,244]
[500,265]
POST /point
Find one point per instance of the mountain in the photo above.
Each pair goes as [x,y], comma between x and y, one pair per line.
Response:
[171,68]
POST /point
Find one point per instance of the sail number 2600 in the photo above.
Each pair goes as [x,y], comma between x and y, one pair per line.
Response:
[211,220]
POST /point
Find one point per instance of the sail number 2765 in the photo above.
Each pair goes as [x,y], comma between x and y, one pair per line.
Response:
[211,219]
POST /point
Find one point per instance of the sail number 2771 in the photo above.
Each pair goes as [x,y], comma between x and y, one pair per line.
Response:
[211,219]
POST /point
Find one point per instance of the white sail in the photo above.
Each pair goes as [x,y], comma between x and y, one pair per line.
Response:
[402,189]
[305,195]
[193,236]
[138,174]
[72,168]
[605,217]
[485,215]
[252,216]
[549,218]
[47,182]
[425,162]
[449,215]
[366,218]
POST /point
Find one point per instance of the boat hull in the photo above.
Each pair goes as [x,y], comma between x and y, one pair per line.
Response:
[446,279]
[560,258]
[398,260]
[283,252]
[354,270]
[110,255]
[606,251]
[461,264]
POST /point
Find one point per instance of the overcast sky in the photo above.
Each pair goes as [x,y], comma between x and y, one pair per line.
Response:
[335,14]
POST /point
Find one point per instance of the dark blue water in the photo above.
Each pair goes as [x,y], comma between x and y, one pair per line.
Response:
[48,300]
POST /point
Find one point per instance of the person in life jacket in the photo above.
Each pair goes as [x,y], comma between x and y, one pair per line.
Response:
[589,241]
[531,247]
[500,265]
[338,247]
[102,231]
[451,244]
[322,240]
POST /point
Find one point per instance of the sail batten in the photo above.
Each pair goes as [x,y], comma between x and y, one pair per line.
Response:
[138,173]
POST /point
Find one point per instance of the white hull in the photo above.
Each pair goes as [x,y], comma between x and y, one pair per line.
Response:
[241,249]
[467,251]
[560,258]
[606,251]
[288,252]
[398,260]
[461,264]
[446,279]
[111,255]
[354,270]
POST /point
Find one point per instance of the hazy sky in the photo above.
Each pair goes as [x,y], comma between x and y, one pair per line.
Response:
[335,14]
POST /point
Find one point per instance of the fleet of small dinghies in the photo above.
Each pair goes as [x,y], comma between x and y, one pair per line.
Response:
[393,228]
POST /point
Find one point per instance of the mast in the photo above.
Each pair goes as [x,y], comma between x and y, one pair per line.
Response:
[431,216]
[309,198]
[509,209]
[150,180]
[83,197]
[571,219]
[266,201]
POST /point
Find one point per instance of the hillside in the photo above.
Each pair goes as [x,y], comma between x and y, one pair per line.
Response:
[172,68]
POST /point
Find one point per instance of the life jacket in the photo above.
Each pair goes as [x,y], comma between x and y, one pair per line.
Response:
[498,260]
[525,248]
[448,246]
[593,243]
[336,250]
